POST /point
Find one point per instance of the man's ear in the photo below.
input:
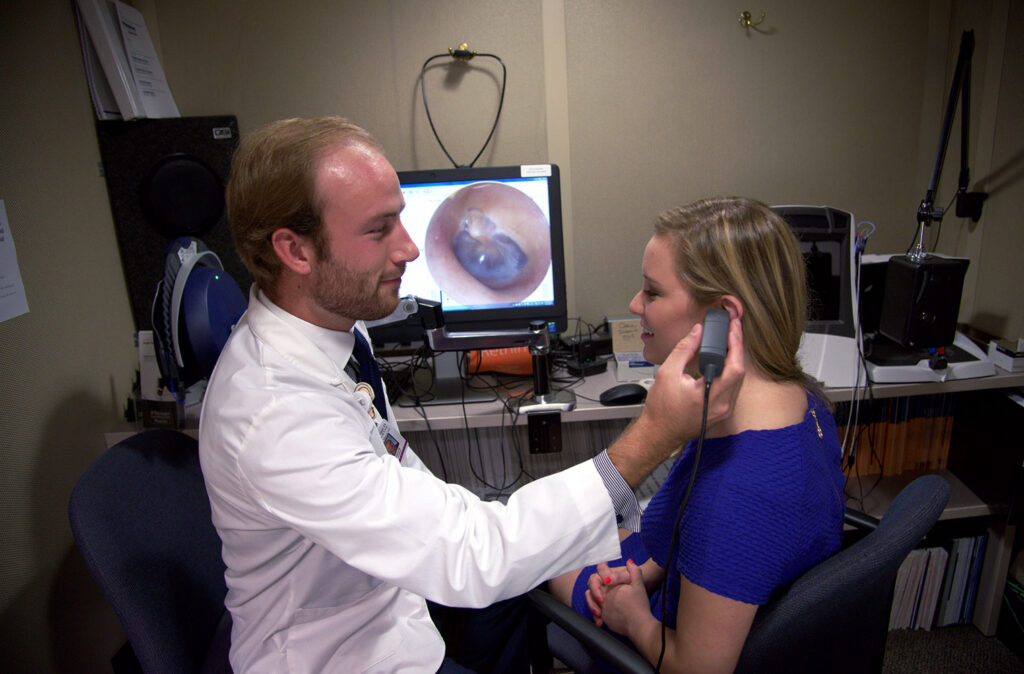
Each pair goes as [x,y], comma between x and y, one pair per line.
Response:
[731,304]
[295,251]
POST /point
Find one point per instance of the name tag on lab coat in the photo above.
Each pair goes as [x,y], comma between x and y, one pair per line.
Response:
[392,439]
[389,434]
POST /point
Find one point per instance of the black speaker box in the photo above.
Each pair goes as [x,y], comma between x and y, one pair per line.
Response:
[922,300]
[165,179]
[872,295]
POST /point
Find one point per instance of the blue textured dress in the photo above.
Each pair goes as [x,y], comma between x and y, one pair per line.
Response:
[766,505]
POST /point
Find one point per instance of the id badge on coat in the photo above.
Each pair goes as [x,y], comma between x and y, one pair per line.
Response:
[393,441]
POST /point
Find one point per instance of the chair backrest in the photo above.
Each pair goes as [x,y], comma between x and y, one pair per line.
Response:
[834,618]
[141,521]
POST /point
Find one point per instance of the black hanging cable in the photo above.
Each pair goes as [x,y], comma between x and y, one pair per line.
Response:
[463,54]
[674,544]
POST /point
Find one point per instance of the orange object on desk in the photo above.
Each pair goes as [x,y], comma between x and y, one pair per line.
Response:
[514,360]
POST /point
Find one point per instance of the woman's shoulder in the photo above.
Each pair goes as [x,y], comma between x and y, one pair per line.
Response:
[764,405]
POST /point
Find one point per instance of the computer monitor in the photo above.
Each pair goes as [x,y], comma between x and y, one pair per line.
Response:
[491,250]
[829,351]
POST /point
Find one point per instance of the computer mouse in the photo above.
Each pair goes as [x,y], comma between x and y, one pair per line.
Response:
[623,394]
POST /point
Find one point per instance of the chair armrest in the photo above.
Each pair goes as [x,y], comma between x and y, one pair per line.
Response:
[594,639]
[860,520]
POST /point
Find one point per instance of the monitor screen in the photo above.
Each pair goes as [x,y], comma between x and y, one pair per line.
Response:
[490,243]
[825,236]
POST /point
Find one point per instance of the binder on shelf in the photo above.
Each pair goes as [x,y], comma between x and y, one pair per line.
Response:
[932,587]
[974,579]
[956,579]
[963,575]
[919,569]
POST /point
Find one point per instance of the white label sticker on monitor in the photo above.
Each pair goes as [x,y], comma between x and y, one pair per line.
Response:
[535,170]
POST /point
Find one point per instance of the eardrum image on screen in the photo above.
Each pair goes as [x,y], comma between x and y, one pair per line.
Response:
[488,243]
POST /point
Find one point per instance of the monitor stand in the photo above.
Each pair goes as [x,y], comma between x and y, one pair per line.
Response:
[448,387]
[890,363]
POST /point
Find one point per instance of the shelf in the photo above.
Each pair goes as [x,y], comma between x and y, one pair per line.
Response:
[1001,379]
[963,502]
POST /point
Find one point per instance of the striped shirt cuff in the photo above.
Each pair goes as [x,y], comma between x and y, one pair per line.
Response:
[627,510]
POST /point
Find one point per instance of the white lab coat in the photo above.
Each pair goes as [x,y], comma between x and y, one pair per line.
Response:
[331,543]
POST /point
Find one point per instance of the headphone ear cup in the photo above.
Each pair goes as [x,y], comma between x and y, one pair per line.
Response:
[211,305]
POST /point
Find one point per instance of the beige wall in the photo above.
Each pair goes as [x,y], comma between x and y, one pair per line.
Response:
[676,102]
[66,366]
[662,102]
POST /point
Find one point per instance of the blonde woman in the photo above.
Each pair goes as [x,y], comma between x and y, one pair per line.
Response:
[766,500]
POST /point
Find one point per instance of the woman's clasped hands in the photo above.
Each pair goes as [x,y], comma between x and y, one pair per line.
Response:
[618,596]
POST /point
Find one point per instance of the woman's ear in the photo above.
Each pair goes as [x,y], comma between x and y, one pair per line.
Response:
[733,305]
[295,251]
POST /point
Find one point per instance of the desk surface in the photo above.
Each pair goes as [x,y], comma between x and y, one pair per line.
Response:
[492,414]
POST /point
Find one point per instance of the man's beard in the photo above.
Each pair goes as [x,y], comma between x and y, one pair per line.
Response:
[350,294]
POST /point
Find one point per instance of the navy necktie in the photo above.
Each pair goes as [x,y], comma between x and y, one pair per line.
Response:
[368,371]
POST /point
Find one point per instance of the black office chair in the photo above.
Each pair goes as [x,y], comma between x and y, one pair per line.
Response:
[141,521]
[833,618]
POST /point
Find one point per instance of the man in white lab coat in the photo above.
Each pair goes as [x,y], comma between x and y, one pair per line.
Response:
[334,533]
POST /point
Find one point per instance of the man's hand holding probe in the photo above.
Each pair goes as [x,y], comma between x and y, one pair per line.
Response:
[673,409]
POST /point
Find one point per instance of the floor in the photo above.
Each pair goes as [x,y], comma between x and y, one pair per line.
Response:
[944,650]
[961,649]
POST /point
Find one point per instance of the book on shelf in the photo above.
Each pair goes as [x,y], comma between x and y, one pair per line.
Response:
[913,440]
[866,438]
[932,587]
[956,579]
[963,573]
[938,586]
[904,588]
[896,435]
[917,589]
[974,579]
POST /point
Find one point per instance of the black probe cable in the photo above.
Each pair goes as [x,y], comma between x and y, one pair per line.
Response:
[674,544]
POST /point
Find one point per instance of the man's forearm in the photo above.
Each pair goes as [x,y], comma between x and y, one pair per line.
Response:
[639,450]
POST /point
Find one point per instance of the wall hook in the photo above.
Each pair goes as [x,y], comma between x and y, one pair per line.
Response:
[747,23]
[461,52]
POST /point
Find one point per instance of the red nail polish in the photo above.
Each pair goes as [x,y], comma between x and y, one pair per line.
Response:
[608,579]
[599,600]
[630,561]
